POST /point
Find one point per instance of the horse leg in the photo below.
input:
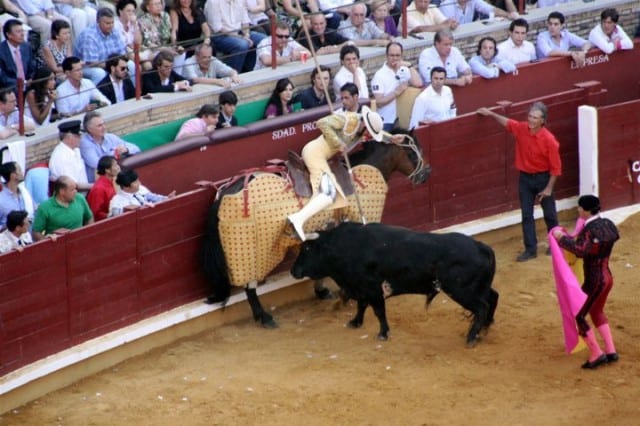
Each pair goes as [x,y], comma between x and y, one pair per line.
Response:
[322,292]
[378,306]
[356,322]
[258,311]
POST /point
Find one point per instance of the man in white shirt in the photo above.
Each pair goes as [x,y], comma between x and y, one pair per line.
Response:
[133,194]
[77,95]
[351,72]
[516,49]
[386,87]
[17,235]
[287,49]
[464,11]
[422,16]
[435,103]
[9,114]
[66,159]
[444,54]
[608,36]
[230,23]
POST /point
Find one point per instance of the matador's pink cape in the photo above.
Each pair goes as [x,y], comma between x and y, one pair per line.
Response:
[566,270]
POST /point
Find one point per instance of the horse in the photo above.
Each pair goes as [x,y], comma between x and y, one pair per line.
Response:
[246,233]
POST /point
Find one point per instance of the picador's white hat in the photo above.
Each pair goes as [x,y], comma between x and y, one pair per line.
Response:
[373,122]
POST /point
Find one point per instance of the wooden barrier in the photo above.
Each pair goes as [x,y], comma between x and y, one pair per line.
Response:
[619,154]
[114,273]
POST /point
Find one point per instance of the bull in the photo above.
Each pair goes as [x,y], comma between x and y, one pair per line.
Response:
[374,261]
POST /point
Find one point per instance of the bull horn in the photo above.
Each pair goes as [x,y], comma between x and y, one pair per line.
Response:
[312,236]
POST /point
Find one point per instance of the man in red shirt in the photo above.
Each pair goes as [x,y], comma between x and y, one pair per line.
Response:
[103,189]
[538,160]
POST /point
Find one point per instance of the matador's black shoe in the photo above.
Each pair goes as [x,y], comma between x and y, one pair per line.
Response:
[592,365]
[613,357]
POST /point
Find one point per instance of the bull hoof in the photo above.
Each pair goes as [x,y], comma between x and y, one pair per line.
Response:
[269,323]
[383,337]
[472,341]
[324,294]
[354,324]
[210,300]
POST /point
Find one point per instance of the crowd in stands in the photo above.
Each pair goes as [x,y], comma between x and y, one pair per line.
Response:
[75,57]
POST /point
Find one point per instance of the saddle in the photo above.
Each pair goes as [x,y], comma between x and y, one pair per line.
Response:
[300,175]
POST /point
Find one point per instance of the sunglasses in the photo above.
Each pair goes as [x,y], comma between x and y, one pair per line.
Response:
[282,35]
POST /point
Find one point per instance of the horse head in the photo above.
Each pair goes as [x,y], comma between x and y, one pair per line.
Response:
[405,157]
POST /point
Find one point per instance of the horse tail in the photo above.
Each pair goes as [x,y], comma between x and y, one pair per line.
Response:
[214,264]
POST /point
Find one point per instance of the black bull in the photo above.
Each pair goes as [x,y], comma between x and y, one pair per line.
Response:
[364,259]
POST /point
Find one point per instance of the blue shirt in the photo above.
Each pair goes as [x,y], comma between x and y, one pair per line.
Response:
[9,202]
[486,70]
[91,151]
[546,44]
[94,46]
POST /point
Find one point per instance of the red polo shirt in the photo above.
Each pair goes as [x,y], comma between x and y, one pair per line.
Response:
[535,153]
[99,197]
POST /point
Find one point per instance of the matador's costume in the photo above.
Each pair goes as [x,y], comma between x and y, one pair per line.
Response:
[340,132]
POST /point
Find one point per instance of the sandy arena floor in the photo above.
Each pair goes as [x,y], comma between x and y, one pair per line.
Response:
[314,371]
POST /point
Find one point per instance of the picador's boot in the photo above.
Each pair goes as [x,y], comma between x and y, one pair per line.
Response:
[315,205]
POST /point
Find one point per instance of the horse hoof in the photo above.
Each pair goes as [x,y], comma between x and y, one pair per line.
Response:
[324,294]
[210,300]
[383,337]
[354,324]
[269,323]
[471,342]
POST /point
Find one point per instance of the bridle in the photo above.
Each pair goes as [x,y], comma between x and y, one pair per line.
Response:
[411,144]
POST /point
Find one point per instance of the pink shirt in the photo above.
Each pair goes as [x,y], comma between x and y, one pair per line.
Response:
[194,126]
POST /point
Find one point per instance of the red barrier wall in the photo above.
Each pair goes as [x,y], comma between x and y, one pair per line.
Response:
[105,276]
[619,154]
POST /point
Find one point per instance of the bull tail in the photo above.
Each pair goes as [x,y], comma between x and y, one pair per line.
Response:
[214,264]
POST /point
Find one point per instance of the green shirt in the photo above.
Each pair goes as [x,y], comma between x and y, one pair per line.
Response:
[52,215]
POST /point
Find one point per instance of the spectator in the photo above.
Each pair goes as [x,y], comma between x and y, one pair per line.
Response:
[155,28]
[280,100]
[486,63]
[204,68]
[229,20]
[361,30]
[97,43]
[14,194]
[381,17]
[188,28]
[257,16]
[287,49]
[335,11]
[324,42]
[314,96]
[55,50]
[41,96]
[163,78]
[79,12]
[117,86]
[133,194]
[537,157]
[228,102]
[466,11]
[17,235]
[16,57]
[10,115]
[204,122]
[104,189]
[77,95]
[126,24]
[11,11]
[350,98]
[444,53]
[386,87]
[97,143]
[40,15]
[547,3]
[557,41]
[435,103]
[516,48]
[351,72]
[66,159]
[608,36]
[422,16]
[65,210]
[508,5]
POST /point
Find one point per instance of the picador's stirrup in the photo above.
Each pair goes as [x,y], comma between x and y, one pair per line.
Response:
[315,205]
